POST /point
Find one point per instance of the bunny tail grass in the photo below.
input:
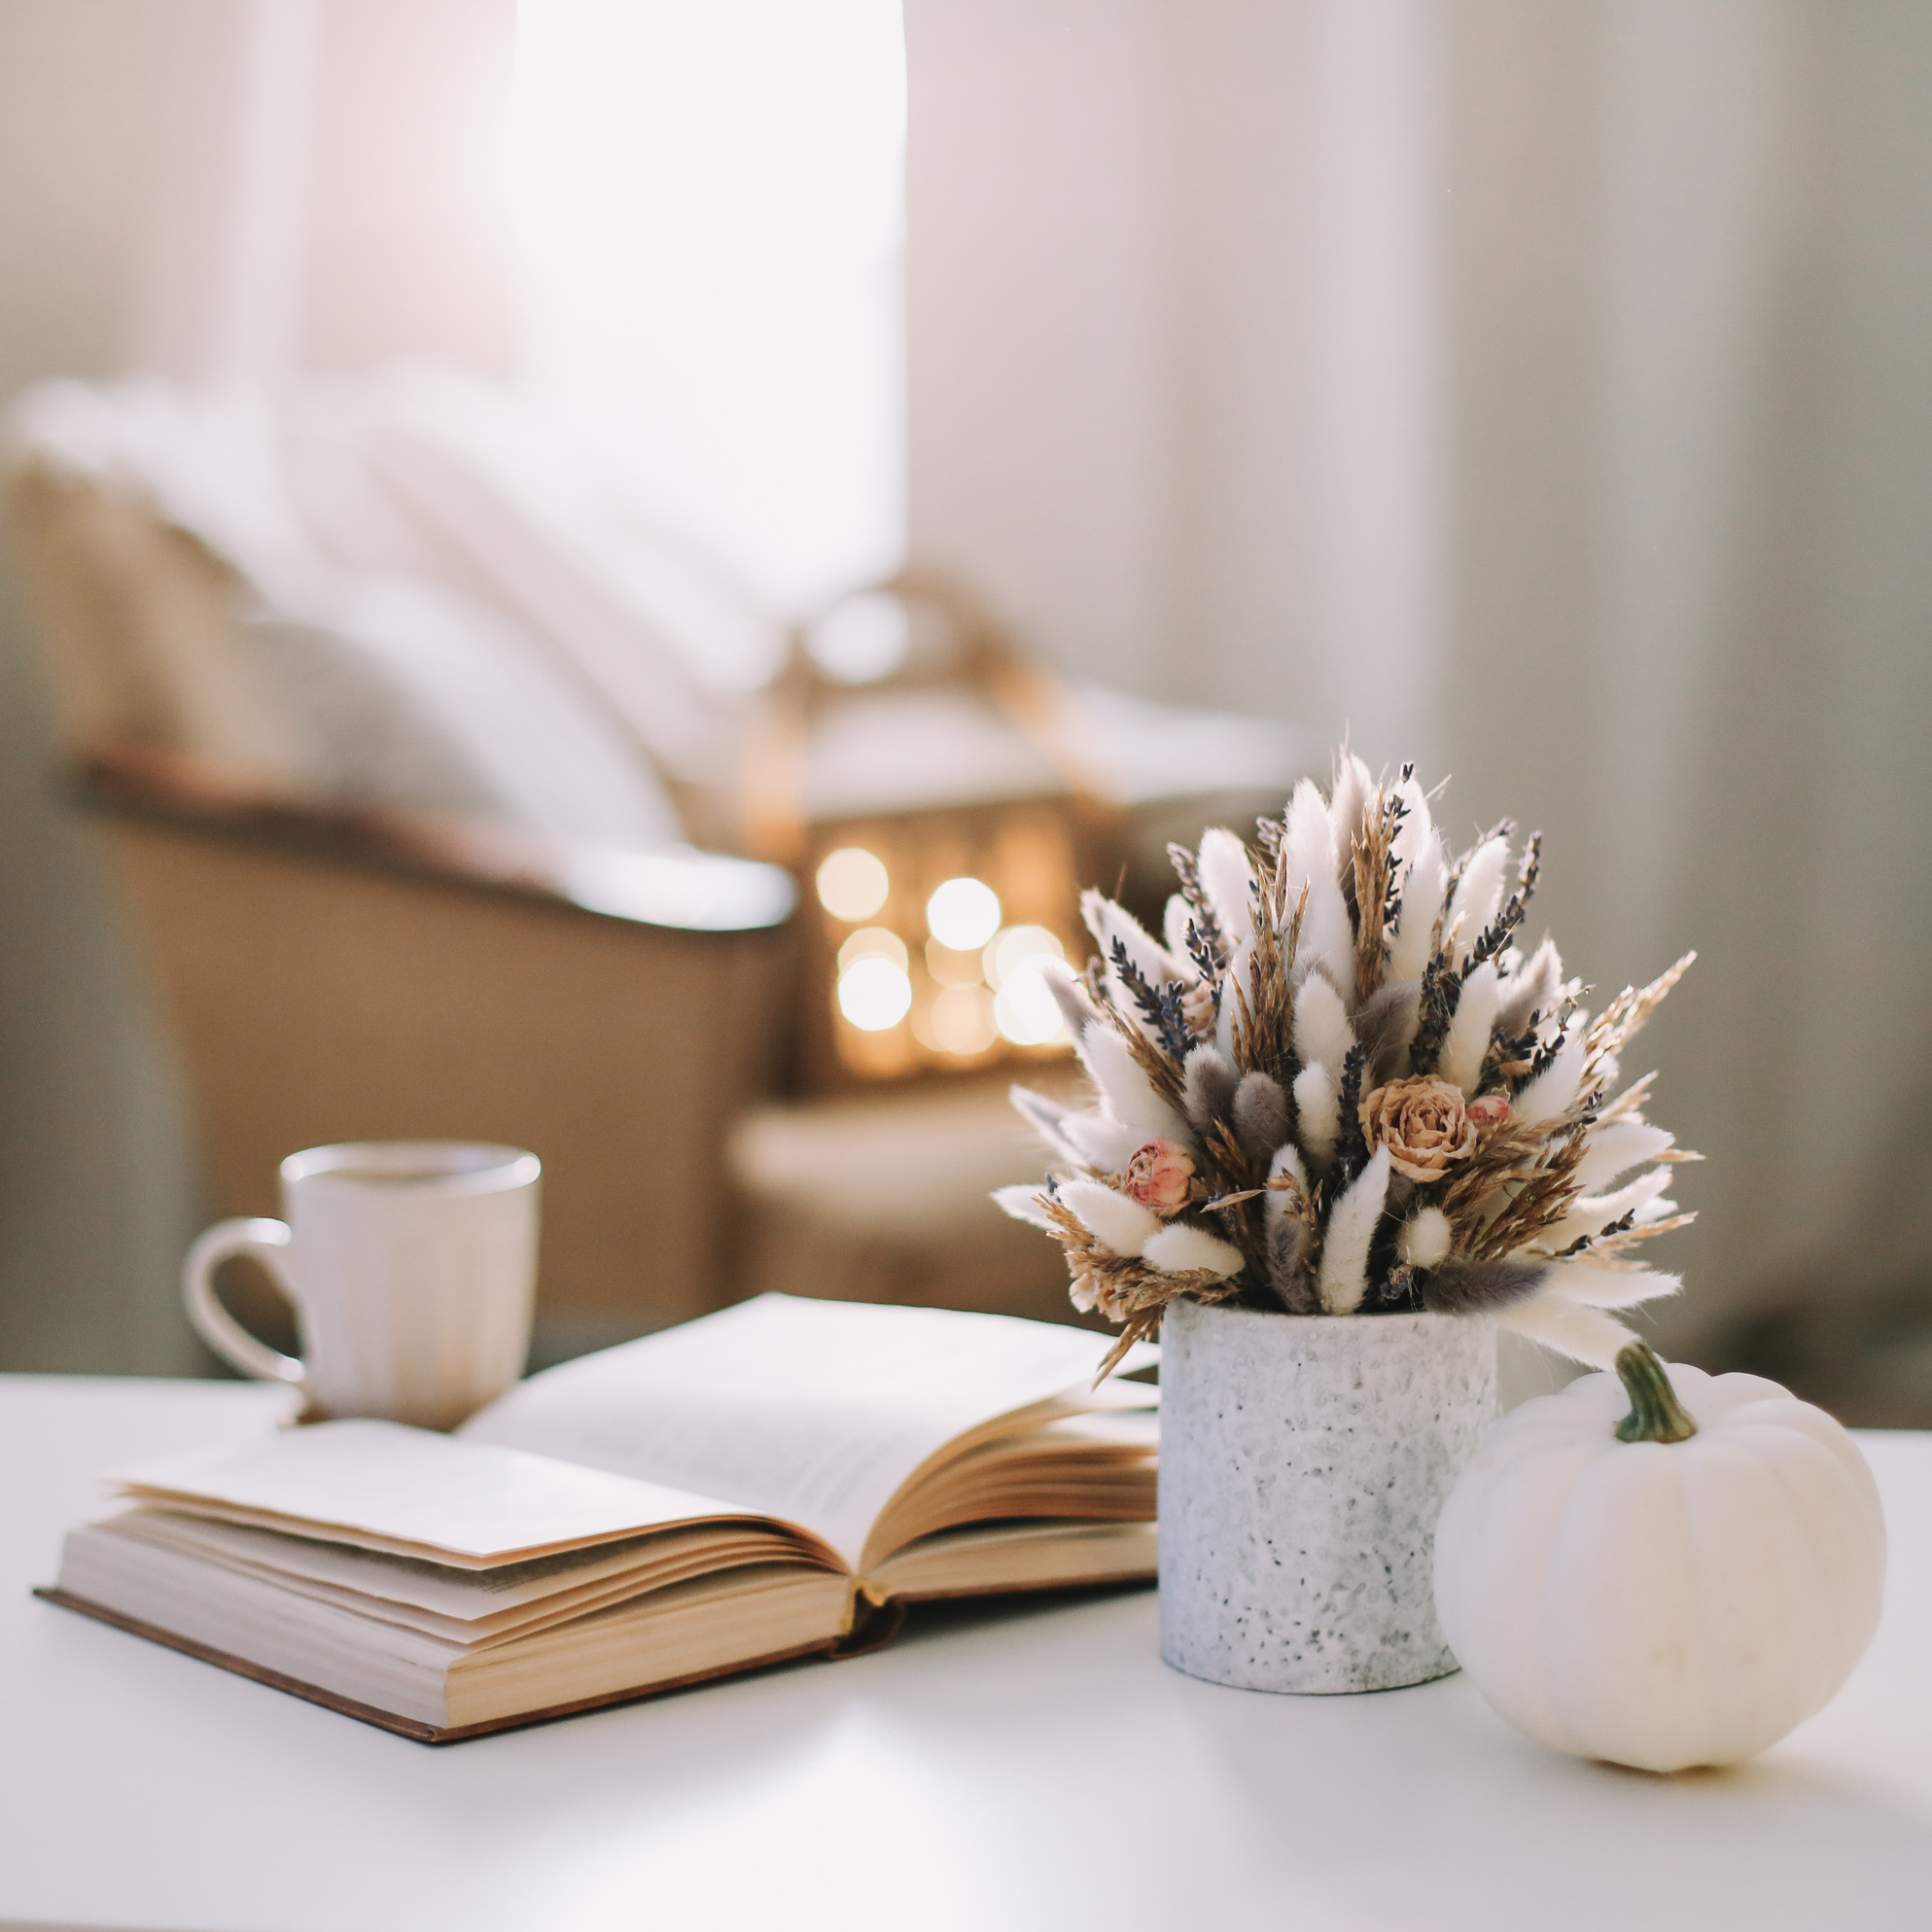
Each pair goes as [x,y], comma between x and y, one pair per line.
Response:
[1482,1287]
[1343,1277]
[1115,1220]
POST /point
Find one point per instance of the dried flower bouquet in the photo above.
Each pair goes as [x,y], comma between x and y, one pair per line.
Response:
[1339,1087]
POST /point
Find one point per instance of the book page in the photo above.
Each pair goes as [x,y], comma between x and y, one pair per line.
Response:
[414,1492]
[464,1595]
[464,1610]
[812,1411]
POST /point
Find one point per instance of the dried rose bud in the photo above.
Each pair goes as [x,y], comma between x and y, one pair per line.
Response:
[1489,1109]
[1158,1177]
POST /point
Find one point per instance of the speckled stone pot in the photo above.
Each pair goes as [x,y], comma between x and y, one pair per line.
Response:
[1304,1462]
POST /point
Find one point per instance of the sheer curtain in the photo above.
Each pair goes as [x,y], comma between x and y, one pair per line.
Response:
[1693,312]
[1541,391]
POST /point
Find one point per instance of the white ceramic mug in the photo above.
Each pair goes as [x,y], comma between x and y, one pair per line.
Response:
[413,1267]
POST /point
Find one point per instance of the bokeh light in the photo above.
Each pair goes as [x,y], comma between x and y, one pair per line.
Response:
[874,993]
[961,1020]
[852,883]
[964,914]
[1006,951]
[951,969]
[872,942]
[1025,1010]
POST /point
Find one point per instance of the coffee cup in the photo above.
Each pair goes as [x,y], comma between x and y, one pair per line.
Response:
[412,1269]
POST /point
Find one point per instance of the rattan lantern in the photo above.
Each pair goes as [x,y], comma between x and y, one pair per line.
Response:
[912,767]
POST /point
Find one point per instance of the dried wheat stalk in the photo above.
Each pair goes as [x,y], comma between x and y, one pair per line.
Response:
[1372,869]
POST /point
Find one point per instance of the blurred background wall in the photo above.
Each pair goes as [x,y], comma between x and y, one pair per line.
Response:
[94,1175]
[213,191]
[1540,392]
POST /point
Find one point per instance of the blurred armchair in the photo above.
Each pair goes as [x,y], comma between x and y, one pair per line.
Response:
[366,921]
[396,715]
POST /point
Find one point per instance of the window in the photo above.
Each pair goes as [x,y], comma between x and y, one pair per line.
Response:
[709,199]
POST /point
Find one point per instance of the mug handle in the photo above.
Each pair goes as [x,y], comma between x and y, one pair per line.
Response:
[261,1241]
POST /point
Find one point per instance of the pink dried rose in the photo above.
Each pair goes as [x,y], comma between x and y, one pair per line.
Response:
[1489,1109]
[1423,1124]
[1159,1177]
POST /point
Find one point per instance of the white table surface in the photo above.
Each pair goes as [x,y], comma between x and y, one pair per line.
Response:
[1008,1769]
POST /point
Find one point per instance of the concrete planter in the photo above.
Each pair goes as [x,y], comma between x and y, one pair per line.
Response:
[1304,1462]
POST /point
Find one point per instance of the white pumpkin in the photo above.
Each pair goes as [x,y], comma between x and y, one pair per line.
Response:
[1679,1594]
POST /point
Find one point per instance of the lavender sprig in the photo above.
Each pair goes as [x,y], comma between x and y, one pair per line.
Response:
[1397,809]
[1546,1054]
[1502,829]
[1351,1147]
[1209,956]
[1161,1007]
[1187,869]
[1441,994]
[1497,934]
[1620,1225]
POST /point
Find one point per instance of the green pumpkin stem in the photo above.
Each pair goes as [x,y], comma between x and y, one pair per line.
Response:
[1656,1414]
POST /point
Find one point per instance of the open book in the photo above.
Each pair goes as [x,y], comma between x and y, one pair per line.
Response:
[766,1483]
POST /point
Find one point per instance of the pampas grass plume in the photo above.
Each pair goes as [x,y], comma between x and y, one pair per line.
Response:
[1022,1202]
[1043,1117]
[1584,1334]
[1618,1145]
[1101,1142]
[1610,1287]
